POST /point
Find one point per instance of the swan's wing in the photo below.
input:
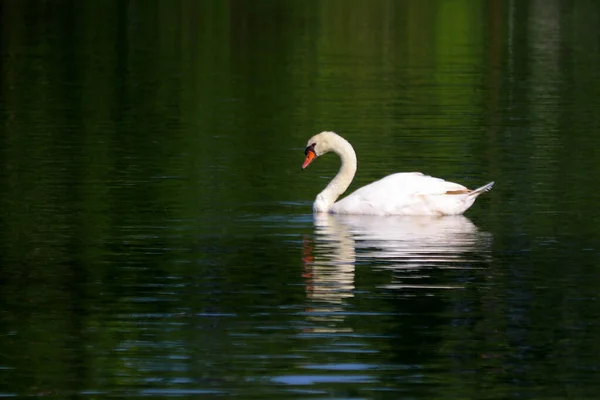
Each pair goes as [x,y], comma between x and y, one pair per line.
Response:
[414,183]
[401,193]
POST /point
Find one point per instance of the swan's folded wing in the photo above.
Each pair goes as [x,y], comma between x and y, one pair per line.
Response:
[415,183]
[401,193]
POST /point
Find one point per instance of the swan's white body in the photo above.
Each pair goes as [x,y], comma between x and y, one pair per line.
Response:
[407,193]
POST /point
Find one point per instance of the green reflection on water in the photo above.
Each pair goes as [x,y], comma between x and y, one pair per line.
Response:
[151,176]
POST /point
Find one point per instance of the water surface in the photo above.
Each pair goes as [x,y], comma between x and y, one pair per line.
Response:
[157,235]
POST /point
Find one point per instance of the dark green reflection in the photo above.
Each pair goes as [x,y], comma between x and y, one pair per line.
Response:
[156,237]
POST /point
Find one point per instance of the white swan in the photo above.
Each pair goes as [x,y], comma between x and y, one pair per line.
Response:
[407,193]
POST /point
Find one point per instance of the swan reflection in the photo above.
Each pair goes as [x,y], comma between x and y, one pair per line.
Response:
[414,248]
[405,242]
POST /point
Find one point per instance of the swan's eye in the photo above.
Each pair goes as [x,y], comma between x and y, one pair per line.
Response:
[310,148]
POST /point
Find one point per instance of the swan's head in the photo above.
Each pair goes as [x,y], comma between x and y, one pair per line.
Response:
[318,145]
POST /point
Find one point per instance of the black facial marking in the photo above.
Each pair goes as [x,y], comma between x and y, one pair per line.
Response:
[310,148]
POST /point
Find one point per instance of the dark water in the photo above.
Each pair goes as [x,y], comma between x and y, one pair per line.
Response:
[157,238]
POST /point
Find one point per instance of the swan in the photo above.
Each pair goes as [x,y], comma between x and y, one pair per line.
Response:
[404,193]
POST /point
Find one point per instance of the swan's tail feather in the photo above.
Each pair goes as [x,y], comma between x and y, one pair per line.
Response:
[482,189]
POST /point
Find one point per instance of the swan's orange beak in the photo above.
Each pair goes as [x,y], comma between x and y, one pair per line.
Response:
[310,156]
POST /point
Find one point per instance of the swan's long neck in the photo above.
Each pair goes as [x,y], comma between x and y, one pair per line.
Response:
[342,180]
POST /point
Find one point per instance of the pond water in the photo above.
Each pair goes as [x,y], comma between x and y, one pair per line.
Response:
[157,233]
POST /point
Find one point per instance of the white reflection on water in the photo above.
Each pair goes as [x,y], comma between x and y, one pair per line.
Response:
[415,249]
[329,273]
[400,243]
